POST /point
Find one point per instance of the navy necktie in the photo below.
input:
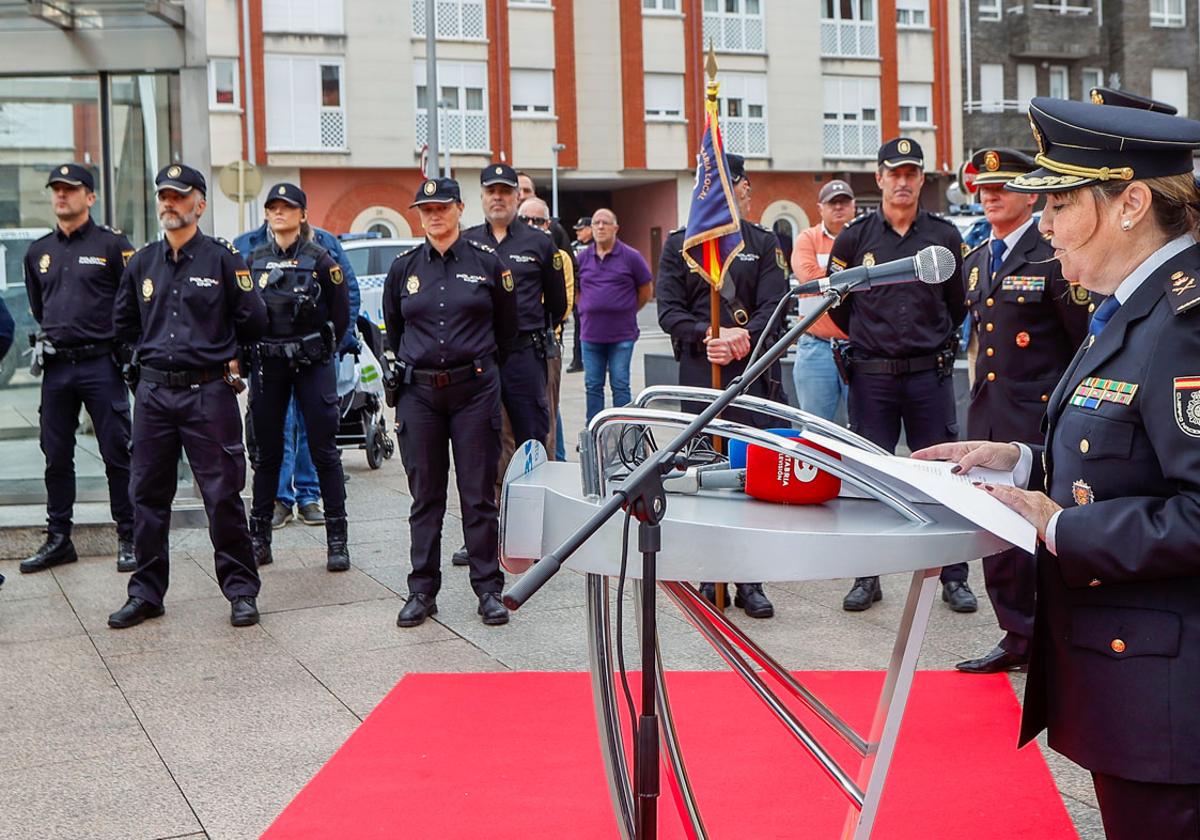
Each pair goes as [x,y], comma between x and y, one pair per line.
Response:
[1102,315]
[997,255]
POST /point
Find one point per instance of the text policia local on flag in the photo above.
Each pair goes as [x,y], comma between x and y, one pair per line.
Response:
[714,234]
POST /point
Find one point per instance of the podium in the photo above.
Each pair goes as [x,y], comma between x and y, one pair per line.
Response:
[871,529]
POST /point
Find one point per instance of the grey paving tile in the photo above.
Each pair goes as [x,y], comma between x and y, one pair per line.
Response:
[329,631]
[18,587]
[289,589]
[190,624]
[98,589]
[37,619]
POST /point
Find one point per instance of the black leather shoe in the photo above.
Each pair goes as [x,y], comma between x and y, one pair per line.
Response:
[492,610]
[995,662]
[416,609]
[126,562]
[135,611]
[55,551]
[751,598]
[461,557]
[243,611]
[865,592]
[959,596]
[575,367]
[337,556]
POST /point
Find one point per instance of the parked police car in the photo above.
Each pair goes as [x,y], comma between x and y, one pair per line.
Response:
[371,256]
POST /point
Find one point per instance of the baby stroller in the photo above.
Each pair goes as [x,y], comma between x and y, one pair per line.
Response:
[360,392]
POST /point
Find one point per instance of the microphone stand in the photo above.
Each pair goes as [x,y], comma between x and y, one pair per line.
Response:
[642,494]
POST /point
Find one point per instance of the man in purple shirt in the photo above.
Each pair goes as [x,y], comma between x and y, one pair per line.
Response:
[614,283]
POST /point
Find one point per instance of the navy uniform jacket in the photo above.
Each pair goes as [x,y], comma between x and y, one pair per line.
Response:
[333,305]
[447,311]
[1029,322]
[759,279]
[191,314]
[1115,668]
[72,281]
[902,321]
[537,270]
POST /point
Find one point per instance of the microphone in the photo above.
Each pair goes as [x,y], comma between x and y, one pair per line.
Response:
[932,265]
[715,477]
[768,476]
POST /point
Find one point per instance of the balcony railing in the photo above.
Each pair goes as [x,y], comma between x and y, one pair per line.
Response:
[849,39]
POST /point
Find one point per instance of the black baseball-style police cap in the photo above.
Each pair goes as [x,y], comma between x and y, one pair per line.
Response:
[498,173]
[438,191]
[999,166]
[903,151]
[1125,99]
[290,193]
[181,179]
[737,166]
[73,175]
[1081,144]
[584,221]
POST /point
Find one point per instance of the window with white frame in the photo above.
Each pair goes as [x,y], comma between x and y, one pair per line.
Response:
[991,88]
[734,25]
[1167,13]
[1026,86]
[223,93]
[743,104]
[916,105]
[1089,77]
[321,17]
[305,103]
[664,96]
[1170,85]
[532,93]
[990,10]
[912,14]
[663,6]
[1059,83]
[851,125]
[462,105]
[849,29]
[456,20]
[1065,7]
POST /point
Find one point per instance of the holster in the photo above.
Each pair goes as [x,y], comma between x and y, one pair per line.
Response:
[841,358]
[945,358]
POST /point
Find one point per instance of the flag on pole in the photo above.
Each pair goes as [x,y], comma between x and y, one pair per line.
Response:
[714,233]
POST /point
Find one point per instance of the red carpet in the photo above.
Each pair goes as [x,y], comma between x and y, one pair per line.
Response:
[516,756]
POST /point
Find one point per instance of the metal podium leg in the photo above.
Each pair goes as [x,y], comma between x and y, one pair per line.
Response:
[604,693]
[885,728]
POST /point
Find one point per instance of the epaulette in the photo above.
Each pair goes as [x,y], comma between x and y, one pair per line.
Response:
[486,248]
[681,229]
[112,230]
[403,254]
[1183,292]
[858,219]
[939,217]
[227,244]
[968,251]
[45,235]
[757,225]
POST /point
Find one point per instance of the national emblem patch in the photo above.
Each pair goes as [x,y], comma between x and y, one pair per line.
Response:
[243,280]
[1187,405]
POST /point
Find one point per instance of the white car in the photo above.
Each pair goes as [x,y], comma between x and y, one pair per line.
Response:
[371,257]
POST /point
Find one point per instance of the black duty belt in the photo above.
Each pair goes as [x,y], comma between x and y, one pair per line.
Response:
[80,352]
[442,378]
[181,378]
[894,367]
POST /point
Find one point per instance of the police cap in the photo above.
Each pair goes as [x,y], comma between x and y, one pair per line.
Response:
[1125,99]
[290,193]
[438,191]
[1081,144]
[584,222]
[498,173]
[180,178]
[903,151]
[737,166]
[73,175]
[999,166]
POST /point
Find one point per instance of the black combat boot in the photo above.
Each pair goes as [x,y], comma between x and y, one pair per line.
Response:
[260,539]
[335,538]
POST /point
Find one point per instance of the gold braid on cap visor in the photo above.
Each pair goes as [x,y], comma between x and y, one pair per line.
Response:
[1122,173]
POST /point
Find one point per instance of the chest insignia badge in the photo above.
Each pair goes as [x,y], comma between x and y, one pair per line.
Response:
[44,263]
[147,289]
[1080,295]
[869,259]
[973,279]
[1187,404]
[507,279]
[413,285]
[262,279]
[1093,391]
[1081,491]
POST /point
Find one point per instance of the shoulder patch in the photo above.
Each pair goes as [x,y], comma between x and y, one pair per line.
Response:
[243,279]
[780,260]
[1183,292]
[228,245]
[335,275]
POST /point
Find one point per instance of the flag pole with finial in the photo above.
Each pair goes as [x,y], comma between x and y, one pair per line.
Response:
[712,253]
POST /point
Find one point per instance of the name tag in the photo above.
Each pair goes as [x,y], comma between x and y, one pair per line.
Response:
[1093,391]
[470,278]
[520,258]
[1023,284]
[93,260]
[744,257]
[203,282]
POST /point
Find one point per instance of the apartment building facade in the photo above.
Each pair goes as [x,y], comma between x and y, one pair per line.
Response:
[1014,50]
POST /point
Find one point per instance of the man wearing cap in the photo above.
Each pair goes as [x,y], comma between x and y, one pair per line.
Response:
[819,386]
[308,313]
[1028,321]
[71,277]
[451,309]
[756,282]
[903,337]
[186,304]
[583,238]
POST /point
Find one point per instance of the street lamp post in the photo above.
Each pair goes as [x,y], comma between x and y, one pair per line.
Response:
[556,148]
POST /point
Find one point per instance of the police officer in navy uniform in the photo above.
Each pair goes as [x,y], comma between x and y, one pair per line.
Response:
[902,337]
[185,304]
[1114,494]
[308,313]
[450,307]
[71,277]
[537,268]
[756,281]
[1027,321]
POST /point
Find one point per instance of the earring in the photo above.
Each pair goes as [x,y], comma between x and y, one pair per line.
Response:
[1126,224]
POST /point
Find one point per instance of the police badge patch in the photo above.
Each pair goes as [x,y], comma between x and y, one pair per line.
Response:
[507,279]
[1080,295]
[868,259]
[1187,404]
[335,276]
[1082,493]
[558,261]
[780,260]
[44,263]
[147,289]
[973,279]
[263,278]
[125,257]
[413,285]
[243,280]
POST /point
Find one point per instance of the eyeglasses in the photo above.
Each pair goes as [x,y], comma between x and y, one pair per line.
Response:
[535,220]
[603,223]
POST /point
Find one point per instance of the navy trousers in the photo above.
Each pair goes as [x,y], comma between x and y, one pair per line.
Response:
[204,422]
[66,387]
[525,400]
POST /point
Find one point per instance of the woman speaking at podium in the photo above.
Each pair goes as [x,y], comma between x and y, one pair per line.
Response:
[1114,674]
